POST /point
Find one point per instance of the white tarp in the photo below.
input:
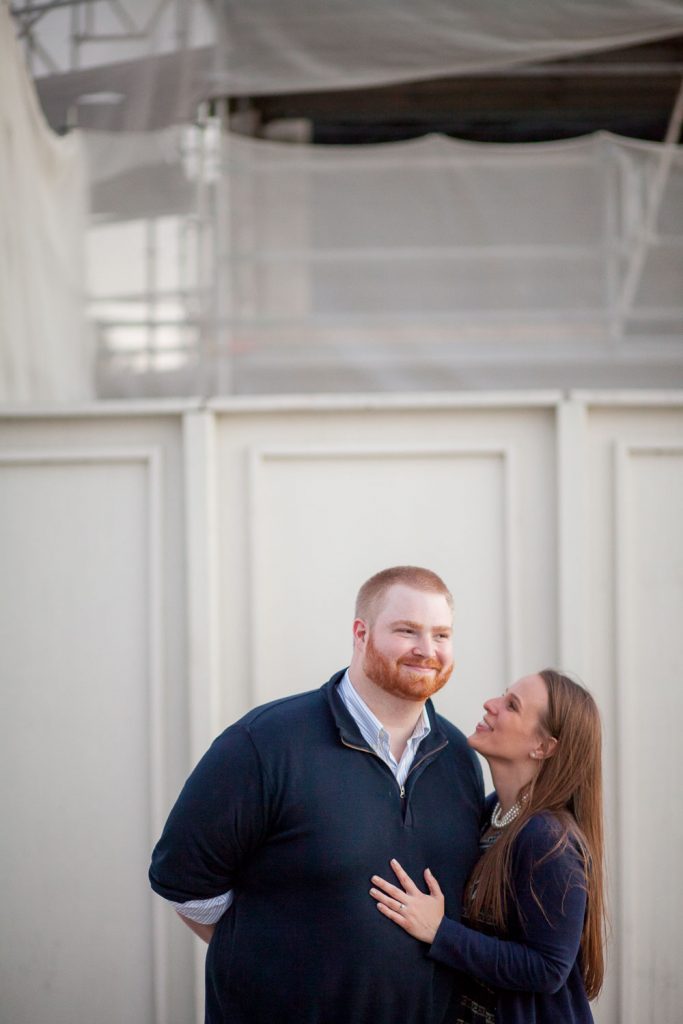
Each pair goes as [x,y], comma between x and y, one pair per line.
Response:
[43,333]
[425,264]
[253,266]
[270,46]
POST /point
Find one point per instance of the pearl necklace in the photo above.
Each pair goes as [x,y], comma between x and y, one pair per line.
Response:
[499,820]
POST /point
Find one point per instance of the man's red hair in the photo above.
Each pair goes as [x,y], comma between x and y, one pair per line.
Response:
[373,590]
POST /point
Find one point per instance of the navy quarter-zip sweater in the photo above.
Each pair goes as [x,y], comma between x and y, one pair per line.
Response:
[293,810]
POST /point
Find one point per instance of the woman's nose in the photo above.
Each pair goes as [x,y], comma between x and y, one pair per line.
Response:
[491,705]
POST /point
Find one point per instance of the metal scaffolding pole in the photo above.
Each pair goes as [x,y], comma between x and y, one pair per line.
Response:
[634,270]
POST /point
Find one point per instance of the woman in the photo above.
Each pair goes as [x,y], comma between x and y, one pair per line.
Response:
[531,937]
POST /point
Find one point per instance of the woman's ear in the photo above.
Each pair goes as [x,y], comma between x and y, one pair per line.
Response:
[546,748]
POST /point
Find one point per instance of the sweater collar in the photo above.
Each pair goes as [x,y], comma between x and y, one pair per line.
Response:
[351,734]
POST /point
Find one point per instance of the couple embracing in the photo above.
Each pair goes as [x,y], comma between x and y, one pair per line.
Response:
[337,852]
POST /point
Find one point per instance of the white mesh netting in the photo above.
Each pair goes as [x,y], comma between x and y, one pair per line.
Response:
[218,263]
[433,263]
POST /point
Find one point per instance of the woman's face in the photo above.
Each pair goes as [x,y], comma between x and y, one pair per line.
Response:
[510,727]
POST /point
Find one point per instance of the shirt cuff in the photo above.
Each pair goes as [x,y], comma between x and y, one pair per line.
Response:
[205,911]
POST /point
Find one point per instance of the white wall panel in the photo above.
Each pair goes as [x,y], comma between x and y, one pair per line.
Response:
[165,568]
[649,705]
[627,447]
[93,716]
[306,519]
[80,735]
[329,517]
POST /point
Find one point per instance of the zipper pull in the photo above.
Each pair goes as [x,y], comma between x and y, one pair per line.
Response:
[403,792]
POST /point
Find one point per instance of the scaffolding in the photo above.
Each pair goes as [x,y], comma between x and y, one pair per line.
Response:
[192,298]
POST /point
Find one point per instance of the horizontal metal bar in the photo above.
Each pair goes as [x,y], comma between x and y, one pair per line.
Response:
[185,322]
[578,69]
[473,252]
[107,37]
[134,298]
[17,12]
[595,317]
[323,355]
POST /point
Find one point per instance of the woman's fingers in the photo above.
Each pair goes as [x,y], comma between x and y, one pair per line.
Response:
[393,915]
[403,877]
[388,888]
[409,887]
[432,884]
[419,915]
[394,903]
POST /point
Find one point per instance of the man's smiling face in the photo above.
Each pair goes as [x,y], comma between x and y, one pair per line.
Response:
[408,646]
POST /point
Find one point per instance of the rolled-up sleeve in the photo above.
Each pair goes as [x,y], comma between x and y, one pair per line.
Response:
[219,818]
[205,911]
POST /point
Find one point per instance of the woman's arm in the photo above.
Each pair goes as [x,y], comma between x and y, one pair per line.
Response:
[539,963]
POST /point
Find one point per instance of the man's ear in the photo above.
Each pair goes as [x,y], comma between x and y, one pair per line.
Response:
[546,748]
[360,632]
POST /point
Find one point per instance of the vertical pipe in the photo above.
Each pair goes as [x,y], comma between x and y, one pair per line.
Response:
[634,270]
[203,281]
[74,41]
[570,420]
[224,267]
[183,11]
[151,293]
[611,247]
[183,230]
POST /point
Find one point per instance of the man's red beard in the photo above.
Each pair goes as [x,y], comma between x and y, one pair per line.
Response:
[395,676]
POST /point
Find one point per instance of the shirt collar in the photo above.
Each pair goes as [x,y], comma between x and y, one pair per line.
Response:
[371,728]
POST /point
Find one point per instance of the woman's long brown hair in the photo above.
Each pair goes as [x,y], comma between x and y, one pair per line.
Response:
[569,786]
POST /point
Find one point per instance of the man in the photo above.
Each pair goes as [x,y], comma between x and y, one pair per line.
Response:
[280,826]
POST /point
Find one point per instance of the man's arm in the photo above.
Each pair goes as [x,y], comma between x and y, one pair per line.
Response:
[218,819]
[204,931]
